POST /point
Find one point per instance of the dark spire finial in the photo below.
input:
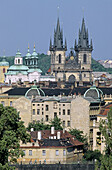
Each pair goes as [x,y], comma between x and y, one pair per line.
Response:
[65,44]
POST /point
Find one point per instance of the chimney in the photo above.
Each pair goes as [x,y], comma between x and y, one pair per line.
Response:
[58,135]
[39,135]
[63,130]
[32,129]
[52,130]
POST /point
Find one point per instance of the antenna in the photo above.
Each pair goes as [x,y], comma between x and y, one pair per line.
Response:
[83,11]
[58,11]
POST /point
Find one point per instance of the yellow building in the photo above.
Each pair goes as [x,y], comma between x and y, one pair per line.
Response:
[51,146]
[4,65]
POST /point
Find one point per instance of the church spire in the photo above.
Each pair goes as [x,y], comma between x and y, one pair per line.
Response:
[58,38]
[83,42]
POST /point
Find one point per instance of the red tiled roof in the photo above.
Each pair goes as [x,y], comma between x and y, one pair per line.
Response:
[49,70]
[105,109]
[45,134]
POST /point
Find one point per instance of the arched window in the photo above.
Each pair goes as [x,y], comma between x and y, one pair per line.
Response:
[84,58]
[3,70]
[59,58]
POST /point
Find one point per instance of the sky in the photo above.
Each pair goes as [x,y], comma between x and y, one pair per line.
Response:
[33,21]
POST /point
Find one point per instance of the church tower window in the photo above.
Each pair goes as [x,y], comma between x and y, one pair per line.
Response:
[59,58]
[3,70]
[84,58]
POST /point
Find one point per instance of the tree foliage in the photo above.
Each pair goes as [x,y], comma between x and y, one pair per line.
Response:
[92,155]
[12,131]
[56,122]
[106,131]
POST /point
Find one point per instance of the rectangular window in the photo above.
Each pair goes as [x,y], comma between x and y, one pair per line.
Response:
[57,152]
[33,104]
[42,113]
[59,113]
[68,123]
[2,102]
[30,152]
[63,111]
[47,118]
[38,111]
[24,152]
[63,123]
[68,111]
[38,104]
[47,107]
[43,152]
[55,114]
[64,152]
[33,111]
[63,104]
[10,103]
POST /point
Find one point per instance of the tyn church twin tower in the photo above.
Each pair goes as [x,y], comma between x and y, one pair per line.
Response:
[77,69]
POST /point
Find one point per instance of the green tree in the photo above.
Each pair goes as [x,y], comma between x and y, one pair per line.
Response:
[92,155]
[106,131]
[12,131]
[80,137]
[56,122]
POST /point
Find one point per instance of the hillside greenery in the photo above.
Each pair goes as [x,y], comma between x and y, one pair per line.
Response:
[44,63]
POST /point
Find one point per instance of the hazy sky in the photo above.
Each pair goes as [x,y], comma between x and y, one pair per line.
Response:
[29,21]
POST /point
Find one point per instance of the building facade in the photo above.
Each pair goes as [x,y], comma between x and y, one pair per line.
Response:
[77,69]
[4,65]
[51,146]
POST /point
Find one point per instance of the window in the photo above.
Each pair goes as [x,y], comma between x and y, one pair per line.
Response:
[55,114]
[10,103]
[64,152]
[30,152]
[59,113]
[84,75]
[38,111]
[42,108]
[63,104]
[3,70]
[47,118]
[33,104]
[33,111]
[59,58]
[24,152]
[2,102]
[42,113]
[63,123]
[43,152]
[38,104]
[63,111]
[18,61]
[68,112]
[42,104]
[68,123]
[57,152]
[84,58]
[47,107]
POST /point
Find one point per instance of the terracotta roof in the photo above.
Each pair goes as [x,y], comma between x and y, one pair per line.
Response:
[105,109]
[49,70]
[64,137]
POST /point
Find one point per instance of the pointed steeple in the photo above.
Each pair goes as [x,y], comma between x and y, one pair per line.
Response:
[28,55]
[58,26]
[34,54]
[50,47]
[58,38]
[91,44]
[83,42]
[65,44]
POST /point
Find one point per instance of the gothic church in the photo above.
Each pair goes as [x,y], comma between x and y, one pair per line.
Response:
[77,69]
